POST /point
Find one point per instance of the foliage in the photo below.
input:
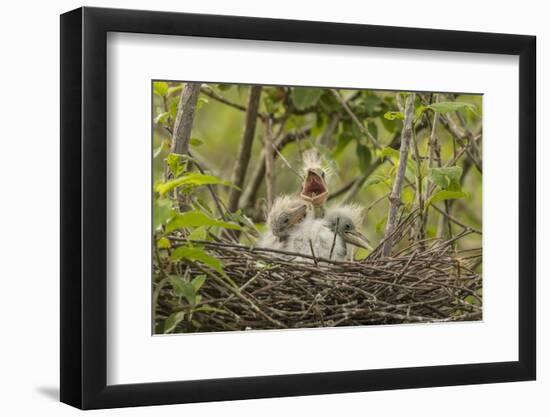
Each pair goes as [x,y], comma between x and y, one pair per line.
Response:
[191,192]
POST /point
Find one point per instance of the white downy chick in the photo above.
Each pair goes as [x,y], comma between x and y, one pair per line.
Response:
[285,214]
[345,221]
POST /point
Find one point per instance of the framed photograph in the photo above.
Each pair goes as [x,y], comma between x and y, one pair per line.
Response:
[259,208]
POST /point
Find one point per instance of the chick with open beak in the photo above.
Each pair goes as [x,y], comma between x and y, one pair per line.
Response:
[286,213]
[314,187]
[344,222]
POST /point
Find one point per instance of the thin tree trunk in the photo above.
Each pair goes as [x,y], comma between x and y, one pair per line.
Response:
[239,171]
[269,159]
[184,119]
[395,196]
[432,152]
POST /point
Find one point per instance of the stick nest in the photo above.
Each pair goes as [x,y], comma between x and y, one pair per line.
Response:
[425,282]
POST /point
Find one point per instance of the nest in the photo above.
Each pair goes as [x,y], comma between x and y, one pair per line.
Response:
[428,281]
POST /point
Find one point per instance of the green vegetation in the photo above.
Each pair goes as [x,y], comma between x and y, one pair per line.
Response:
[357,132]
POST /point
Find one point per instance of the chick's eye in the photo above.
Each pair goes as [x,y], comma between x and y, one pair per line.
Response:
[348,226]
[285,220]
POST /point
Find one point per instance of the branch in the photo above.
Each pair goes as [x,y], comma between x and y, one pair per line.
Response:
[239,171]
[251,191]
[419,232]
[269,159]
[355,119]
[461,134]
[207,91]
[395,196]
[184,119]
[324,139]
[356,185]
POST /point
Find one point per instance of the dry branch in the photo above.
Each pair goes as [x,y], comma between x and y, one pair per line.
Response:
[276,289]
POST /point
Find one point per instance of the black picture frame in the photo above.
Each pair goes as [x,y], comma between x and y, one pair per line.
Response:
[84,207]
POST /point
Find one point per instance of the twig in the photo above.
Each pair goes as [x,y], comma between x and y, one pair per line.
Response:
[312,252]
[456,221]
[334,238]
[355,119]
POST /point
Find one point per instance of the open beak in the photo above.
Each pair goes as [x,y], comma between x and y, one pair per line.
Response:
[314,189]
[357,239]
[298,214]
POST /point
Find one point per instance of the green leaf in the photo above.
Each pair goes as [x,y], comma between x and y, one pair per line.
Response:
[361,254]
[197,254]
[356,131]
[363,155]
[304,98]
[198,281]
[448,178]
[163,243]
[193,179]
[162,118]
[344,139]
[407,195]
[371,102]
[172,321]
[181,287]
[392,115]
[198,234]
[160,88]
[197,219]
[394,154]
[224,87]
[389,152]
[372,128]
[162,212]
[374,180]
[470,299]
[451,106]
[418,110]
[186,289]
[381,225]
[446,195]
[173,107]
[201,102]
[175,164]
[172,91]
[208,309]
[196,142]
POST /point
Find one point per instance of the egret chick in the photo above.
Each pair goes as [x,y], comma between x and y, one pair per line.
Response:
[314,187]
[312,238]
[285,214]
[343,222]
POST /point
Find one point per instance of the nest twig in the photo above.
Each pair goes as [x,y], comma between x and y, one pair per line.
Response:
[267,289]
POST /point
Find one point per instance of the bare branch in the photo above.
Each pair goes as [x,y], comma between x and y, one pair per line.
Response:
[269,159]
[239,171]
[395,196]
[184,119]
